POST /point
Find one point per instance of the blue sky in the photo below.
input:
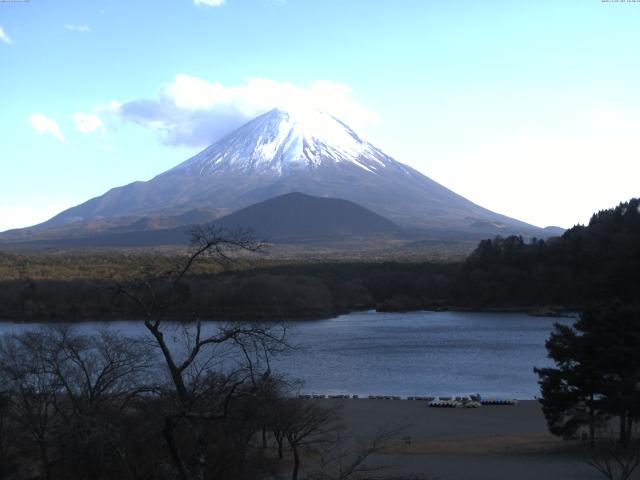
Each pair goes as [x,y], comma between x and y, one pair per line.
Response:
[531,109]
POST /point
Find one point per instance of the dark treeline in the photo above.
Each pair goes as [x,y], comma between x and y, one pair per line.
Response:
[587,264]
[289,292]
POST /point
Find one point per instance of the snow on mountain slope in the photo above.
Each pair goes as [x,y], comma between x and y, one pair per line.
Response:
[284,140]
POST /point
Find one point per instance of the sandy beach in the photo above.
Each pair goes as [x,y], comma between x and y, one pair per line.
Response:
[490,442]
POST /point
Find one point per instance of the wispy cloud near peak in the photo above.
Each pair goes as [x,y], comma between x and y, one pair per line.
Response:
[192,111]
[87,122]
[46,125]
[209,3]
[4,37]
[78,28]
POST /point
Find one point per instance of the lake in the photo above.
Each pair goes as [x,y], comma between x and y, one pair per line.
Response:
[407,354]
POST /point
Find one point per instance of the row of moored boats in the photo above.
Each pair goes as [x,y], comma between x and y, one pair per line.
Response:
[470,401]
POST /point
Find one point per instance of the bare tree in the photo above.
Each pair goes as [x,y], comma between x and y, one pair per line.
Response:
[613,460]
[306,424]
[349,458]
[199,397]
[106,370]
[276,408]
[33,395]
[278,423]
[100,377]
[100,406]
[5,462]
[64,392]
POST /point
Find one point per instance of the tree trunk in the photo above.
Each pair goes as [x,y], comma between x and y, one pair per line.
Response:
[592,422]
[167,431]
[264,437]
[280,441]
[45,460]
[201,450]
[296,462]
[623,429]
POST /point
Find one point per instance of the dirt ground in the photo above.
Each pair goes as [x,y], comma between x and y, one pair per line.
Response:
[490,442]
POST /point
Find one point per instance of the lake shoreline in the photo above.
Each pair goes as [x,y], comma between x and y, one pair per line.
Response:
[542,311]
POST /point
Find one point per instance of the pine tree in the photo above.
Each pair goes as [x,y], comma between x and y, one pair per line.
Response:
[597,374]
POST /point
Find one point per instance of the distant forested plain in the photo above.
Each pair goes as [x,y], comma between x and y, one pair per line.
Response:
[588,264]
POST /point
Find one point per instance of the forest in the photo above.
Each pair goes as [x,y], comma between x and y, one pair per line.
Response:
[587,264]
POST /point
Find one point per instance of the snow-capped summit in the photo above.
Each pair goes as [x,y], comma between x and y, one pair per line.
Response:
[283,140]
[294,150]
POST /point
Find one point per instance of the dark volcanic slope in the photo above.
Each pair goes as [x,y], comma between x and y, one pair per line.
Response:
[299,216]
[294,217]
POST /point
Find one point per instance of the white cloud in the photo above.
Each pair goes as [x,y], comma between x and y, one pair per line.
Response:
[87,122]
[4,37]
[44,125]
[195,112]
[195,93]
[78,28]
[209,3]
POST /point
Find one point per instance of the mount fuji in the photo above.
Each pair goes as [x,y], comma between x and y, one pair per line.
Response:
[283,151]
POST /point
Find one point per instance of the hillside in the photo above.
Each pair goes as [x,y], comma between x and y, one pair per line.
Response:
[305,218]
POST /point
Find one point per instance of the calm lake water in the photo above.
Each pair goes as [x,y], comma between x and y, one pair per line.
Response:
[416,353]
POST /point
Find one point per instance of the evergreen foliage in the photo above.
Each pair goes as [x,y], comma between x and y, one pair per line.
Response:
[597,373]
[598,262]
